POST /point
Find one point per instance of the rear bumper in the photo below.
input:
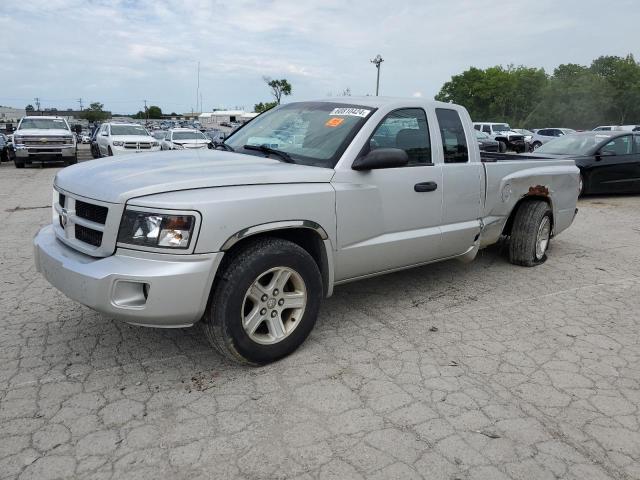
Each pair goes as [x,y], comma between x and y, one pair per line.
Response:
[140,288]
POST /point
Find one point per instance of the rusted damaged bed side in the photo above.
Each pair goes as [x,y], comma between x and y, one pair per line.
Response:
[538,191]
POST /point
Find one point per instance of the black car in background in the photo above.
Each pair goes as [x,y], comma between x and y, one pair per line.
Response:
[609,161]
[486,143]
[4,148]
[95,150]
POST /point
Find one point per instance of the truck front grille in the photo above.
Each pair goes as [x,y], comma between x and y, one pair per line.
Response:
[89,211]
[137,145]
[88,235]
[86,225]
[44,141]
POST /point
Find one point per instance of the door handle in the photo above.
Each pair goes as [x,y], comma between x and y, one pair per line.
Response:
[425,187]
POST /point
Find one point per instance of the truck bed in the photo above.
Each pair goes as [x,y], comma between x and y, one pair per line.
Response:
[492,157]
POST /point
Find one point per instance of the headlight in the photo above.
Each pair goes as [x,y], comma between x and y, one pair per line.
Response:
[17,140]
[154,144]
[177,146]
[117,143]
[156,230]
[69,139]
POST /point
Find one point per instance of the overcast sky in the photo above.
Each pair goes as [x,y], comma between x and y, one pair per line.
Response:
[120,52]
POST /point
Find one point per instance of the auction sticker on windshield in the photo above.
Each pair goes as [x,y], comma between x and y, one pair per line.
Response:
[334,122]
[351,112]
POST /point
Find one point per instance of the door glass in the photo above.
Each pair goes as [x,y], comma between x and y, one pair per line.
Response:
[636,141]
[619,146]
[407,130]
[454,140]
[486,129]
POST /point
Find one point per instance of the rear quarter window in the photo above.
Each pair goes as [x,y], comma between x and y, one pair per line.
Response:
[454,140]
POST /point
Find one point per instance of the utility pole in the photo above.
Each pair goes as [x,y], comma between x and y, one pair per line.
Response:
[377,61]
[146,112]
[37,100]
[80,102]
[198,88]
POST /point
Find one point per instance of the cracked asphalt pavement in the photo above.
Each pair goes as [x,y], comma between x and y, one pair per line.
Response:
[452,371]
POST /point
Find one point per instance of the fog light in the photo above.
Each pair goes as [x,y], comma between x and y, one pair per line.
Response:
[130,294]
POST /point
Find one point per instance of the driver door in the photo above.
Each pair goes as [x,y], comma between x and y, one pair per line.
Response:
[617,167]
[389,218]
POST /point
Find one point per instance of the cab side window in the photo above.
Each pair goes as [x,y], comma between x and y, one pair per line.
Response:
[486,129]
[406,129]
[454,140]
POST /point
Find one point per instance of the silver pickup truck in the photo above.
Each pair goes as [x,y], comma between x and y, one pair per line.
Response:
[248,238]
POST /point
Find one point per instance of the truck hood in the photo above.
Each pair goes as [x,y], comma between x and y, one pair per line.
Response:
[118,179]
[42,132]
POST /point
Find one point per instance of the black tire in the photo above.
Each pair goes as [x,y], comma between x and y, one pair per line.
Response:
[110,151]
[524,233]
[222,322]
[18,163]
[581,187]
[502,147]
[536,145]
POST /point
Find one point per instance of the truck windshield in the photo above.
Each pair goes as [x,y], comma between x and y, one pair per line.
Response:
[128,130]
[43,124]
[311,133]
[578,144]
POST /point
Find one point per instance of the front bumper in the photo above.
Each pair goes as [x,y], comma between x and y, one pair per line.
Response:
[149,289]
[129,151]
[50,151]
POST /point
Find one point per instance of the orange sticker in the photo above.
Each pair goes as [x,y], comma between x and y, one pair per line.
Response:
[334,122]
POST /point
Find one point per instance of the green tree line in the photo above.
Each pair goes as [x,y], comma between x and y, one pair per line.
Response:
[573,96]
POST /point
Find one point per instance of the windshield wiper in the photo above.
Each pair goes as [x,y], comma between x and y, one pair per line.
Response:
[224,146]
[263,148]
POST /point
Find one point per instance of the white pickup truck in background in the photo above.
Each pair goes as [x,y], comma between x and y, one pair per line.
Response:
[44,139]
[247,239]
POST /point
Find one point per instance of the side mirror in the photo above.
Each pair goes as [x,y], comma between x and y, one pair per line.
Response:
[381,158]
[604,153]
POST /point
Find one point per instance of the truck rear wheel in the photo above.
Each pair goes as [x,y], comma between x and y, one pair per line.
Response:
[502,147]
[530,234]
[265,303]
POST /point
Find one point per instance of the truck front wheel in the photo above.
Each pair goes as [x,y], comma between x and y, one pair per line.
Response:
[530,234]
[265,303]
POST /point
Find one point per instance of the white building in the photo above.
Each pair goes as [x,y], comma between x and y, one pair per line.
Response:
[11,115]
[221,116]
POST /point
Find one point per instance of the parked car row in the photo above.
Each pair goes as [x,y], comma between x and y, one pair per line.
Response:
[115,138]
